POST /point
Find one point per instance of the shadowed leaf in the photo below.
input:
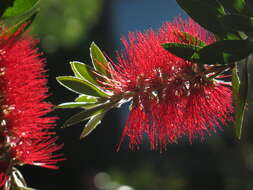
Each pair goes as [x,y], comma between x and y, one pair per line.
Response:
[226,51]
[206,13]
[185,51]
[86,114]
[238,23]
[240,90]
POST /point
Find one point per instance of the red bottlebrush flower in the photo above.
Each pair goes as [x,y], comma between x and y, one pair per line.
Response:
[172,97]
[25,133]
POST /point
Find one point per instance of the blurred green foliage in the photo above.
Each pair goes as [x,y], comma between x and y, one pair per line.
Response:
[62,23]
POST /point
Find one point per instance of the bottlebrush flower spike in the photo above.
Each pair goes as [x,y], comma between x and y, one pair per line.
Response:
[25,133]
[172,97]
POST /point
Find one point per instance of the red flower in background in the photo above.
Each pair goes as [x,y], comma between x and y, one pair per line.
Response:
[25,133]
[173,97]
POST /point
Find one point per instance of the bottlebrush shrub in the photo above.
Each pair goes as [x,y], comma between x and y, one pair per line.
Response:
[25,133]
[171,97]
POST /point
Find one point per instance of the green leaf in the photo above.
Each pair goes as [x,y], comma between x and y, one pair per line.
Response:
[99,61]
[86,114]
[81,86]
[73,105]
[4,5]
[19,7]
[12,24]
[84,71]
[240,90]
[206,13]
[185,51]
[92,124]
[187,38]
[226,51]
[238,23]
[235,6]
[85,98]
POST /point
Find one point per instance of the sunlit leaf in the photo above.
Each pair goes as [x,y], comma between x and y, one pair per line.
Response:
[73,105]
[92,124]
[83,71]
[81,86]
[85,98]
[99,61]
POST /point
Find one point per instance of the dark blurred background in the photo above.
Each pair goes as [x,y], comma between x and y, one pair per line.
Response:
[66,29]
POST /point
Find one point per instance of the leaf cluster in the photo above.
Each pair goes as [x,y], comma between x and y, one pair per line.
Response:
[90,84]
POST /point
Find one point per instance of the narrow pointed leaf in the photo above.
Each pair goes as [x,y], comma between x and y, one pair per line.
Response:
[83,71]
[239,98]
[206,13]
[99,61]
[73,105]
[85,98]
[226,51]
[86,114]
[185,51]
[81,86]
[187,38]
[92,124]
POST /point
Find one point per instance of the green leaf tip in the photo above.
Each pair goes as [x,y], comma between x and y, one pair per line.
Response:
[85,98]
[83,71]
[92,124]
[99,61]
[185,51]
